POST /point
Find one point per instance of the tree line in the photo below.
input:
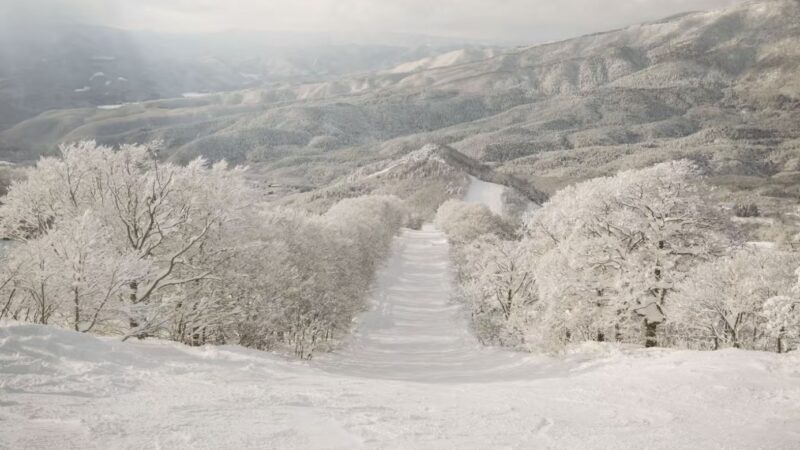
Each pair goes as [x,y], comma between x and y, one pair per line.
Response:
[641,257]
[117,242]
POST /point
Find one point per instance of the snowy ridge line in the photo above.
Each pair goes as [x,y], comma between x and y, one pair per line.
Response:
[443,157]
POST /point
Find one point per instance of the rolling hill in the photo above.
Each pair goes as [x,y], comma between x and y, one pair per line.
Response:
[49,66]
[720,87]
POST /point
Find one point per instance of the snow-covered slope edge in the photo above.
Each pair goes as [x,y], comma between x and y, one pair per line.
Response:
[60,389]
[485,193]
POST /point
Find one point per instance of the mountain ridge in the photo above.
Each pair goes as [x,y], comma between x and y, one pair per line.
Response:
[700,85]
[66,65]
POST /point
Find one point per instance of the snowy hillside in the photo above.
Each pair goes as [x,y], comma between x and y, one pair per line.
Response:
[591,243]
[689,85]
[489,194]
[61,389]
[462,56]
[413,375]
[57,66]
[427,177]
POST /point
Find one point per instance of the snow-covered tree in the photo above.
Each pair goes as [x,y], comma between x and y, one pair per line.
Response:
[8,274]
[612,246]
[464,222]
[494,273]
[128,205]
[723,300]
[89,275]
[498,283]
[307,276]
[782,314]
[30,280]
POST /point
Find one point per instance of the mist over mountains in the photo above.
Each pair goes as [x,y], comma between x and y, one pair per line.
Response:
[56,66]
[720,87]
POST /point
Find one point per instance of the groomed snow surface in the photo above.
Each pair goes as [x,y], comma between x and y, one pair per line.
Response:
[415,331]
[412,376]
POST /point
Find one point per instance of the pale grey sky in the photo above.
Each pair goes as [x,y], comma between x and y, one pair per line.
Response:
[510,20]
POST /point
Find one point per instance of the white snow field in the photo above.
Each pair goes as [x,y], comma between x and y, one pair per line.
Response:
[411,377]
[489,194]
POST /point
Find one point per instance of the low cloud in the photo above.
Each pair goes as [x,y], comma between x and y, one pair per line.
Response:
[509,20]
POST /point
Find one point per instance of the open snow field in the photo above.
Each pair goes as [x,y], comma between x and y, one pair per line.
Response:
[412,376]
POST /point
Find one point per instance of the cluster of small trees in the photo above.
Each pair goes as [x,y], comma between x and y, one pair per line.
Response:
[117,242]
[641,257]
[305,276]
[493,270]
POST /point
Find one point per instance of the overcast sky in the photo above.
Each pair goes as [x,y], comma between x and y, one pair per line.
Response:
[506,20]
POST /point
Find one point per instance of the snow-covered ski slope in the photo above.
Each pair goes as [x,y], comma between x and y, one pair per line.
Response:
[412,377]
[489,194]
[415,330]
[64,390]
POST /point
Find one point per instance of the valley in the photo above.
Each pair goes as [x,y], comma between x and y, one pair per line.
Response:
[706,86]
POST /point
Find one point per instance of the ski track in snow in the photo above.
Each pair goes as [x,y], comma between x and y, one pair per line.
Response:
[412,376]
[415,331]
[489,194]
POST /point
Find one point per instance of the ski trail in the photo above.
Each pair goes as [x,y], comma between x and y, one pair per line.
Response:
[483,192]
[416,330]
[413,376]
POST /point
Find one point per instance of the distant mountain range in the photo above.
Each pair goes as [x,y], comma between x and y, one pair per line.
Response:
[720,87]
[52,66]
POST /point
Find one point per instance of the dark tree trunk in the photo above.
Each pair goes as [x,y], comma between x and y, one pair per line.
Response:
[76,299]
[133,323]
[650,333]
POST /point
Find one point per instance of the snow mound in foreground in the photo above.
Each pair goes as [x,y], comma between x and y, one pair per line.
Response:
[61,389]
